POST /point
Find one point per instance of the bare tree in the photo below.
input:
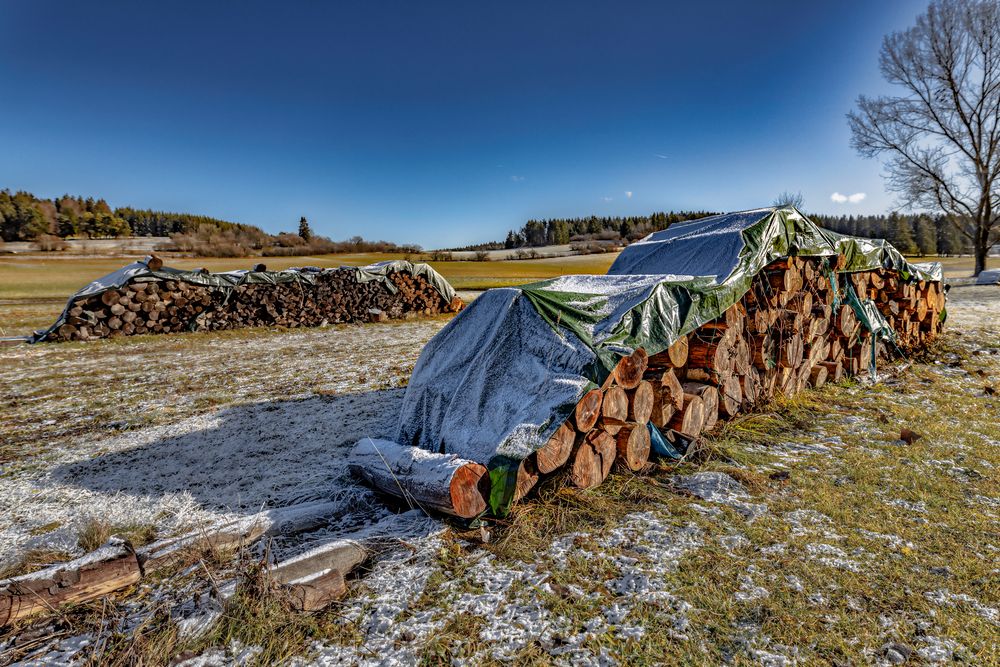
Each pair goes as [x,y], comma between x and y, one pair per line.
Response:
[941,139]
[789,198]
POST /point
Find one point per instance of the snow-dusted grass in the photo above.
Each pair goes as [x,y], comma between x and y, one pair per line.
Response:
[807,535]
[274,414]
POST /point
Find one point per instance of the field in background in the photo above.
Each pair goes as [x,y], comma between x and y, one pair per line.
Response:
[34,288]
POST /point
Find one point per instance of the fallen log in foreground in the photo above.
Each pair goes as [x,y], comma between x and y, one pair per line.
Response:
[438,482]
[110,568]
[116,565]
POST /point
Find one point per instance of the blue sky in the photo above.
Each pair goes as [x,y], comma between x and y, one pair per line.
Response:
[439,123]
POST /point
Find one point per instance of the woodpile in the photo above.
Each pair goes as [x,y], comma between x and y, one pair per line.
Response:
[147,306]
[787,333]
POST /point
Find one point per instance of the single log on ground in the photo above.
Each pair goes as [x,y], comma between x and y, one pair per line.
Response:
[633,446]
[557,450]
[588,410]
[317,592]
[440,482]
[342,555]
[112,567]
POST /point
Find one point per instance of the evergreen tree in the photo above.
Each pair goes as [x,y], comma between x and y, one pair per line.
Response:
[304,231]
[926,236]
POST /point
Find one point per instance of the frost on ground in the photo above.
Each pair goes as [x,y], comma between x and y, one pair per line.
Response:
[809,536]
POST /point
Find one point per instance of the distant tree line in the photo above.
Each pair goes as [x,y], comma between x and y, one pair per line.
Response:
[920,234]
[560,231]
[25,217]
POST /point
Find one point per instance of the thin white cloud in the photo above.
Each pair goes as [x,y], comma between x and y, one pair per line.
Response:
[856,198]
[607,198]
[661,156]
[517,179]
[628,194]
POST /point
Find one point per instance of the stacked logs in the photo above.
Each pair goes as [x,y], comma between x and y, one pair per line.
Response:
[787,333]
[166,306]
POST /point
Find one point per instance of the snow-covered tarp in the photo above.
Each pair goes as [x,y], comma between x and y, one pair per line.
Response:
[991,277]
[498,380]
[229,280]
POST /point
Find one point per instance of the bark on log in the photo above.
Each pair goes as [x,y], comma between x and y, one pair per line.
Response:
[439,482]
[112,567]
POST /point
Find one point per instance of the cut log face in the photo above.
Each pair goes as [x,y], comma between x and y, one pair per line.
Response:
[710,403]
[633,446]
[588,410]
[527,477]
[640,403]
[556,452]
[730,396]
[678,352]
[628,372]
[593,460]
[671,386]
[607,450]
[663,407]
[817,376]
[690,419]
[614,405]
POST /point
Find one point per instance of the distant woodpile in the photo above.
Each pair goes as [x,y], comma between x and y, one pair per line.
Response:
[150,305]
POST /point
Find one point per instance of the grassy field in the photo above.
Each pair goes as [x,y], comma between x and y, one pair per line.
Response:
[34,289]
[841,543]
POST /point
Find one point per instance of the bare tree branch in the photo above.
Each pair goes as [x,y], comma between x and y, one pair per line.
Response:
[940,139]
